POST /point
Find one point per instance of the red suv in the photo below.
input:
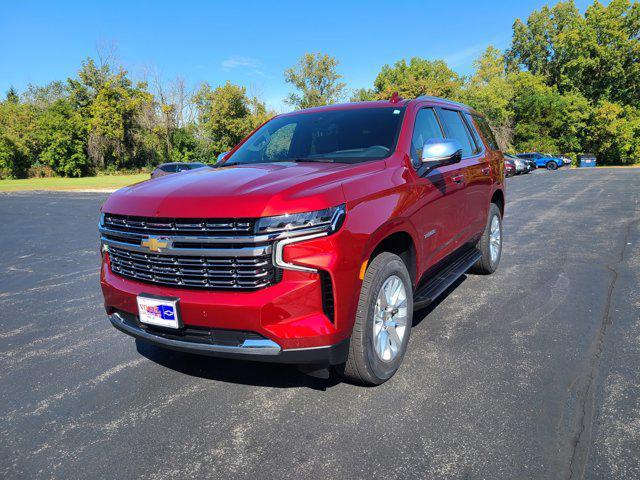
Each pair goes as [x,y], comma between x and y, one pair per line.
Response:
[313,241]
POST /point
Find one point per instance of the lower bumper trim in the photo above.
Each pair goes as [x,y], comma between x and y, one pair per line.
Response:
[251,349]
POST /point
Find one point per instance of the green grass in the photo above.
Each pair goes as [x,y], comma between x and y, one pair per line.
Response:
[84,183]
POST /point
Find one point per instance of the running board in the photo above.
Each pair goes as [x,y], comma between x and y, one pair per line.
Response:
[443,278]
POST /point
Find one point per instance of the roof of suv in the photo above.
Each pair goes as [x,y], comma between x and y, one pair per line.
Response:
[384,103]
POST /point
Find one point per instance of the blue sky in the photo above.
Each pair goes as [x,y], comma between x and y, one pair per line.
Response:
[250,43]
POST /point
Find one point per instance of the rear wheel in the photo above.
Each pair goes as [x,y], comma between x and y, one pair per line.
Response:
[552,165]
[383,322]
[490,244]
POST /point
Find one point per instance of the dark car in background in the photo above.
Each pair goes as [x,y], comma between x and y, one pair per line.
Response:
[175,167]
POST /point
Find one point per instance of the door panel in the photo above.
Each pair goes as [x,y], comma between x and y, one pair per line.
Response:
[438,209]
[478,183]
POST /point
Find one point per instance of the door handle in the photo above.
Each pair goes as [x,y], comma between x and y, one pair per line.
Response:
[458,179]
[486,170]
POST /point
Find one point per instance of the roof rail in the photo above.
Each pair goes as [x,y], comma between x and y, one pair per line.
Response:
[440,99]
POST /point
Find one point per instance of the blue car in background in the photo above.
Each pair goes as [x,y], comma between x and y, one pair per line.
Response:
[542,160]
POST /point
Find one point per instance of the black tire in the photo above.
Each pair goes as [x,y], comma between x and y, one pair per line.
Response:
[363,365]
[552,166]
[485,266]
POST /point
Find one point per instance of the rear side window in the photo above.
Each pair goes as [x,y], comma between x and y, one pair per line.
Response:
[425,128]
[489,138]
[455,128]
[474,133]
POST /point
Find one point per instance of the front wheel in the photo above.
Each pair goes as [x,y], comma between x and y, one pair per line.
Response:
[552,166]
[383,322]
[490,244]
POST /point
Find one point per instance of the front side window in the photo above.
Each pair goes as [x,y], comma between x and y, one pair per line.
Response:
[455,128]
[347,136]
[426,127]
[168,168]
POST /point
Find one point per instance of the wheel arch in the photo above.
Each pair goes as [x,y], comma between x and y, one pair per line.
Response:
[399,242]
[498,199]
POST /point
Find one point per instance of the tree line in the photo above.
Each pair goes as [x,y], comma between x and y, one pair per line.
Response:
[568,83]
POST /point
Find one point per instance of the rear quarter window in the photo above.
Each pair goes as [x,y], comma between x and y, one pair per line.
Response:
[487,134]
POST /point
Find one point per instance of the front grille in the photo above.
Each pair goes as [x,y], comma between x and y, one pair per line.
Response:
[179,226]
[193,271]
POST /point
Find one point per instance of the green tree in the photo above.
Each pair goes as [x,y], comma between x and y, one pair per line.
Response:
[63,134]
[544,119]
[114,122]
[418,77]
[12,95]
[19,143]
[363,95]
[226,115]
[47,95]
[597,53]
[490,91]
[316,78]
[613,133]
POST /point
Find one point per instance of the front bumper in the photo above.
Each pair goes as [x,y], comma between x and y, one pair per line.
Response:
[256,349]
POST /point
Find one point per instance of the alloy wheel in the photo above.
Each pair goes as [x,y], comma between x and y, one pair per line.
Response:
[390,321]
[495,239]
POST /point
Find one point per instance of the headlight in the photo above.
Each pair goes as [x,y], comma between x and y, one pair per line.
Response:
[327,220]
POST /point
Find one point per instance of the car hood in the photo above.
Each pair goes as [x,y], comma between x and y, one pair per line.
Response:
[239,191]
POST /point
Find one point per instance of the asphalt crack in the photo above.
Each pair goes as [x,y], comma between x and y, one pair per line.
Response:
[581,443]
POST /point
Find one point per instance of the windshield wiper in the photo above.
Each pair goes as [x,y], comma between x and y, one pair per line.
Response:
[283,160]
[299,160]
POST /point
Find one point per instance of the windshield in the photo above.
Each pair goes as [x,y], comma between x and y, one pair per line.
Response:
[347,136]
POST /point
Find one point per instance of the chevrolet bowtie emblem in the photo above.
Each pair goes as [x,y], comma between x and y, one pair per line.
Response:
[155,244]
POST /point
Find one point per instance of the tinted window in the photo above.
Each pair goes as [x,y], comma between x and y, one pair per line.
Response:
[425,128]
[489,138]
[455,128]
[168,168]
[474,133]
[339,135]
[196,165]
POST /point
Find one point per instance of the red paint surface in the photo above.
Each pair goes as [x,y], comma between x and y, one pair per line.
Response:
[382,197]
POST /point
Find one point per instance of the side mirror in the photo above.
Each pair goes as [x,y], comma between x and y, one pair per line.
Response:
[222,156]
[437,152]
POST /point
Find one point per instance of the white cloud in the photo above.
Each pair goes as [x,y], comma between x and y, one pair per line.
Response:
[234,62]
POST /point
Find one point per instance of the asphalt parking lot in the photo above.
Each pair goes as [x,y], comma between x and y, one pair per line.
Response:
[529,373]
